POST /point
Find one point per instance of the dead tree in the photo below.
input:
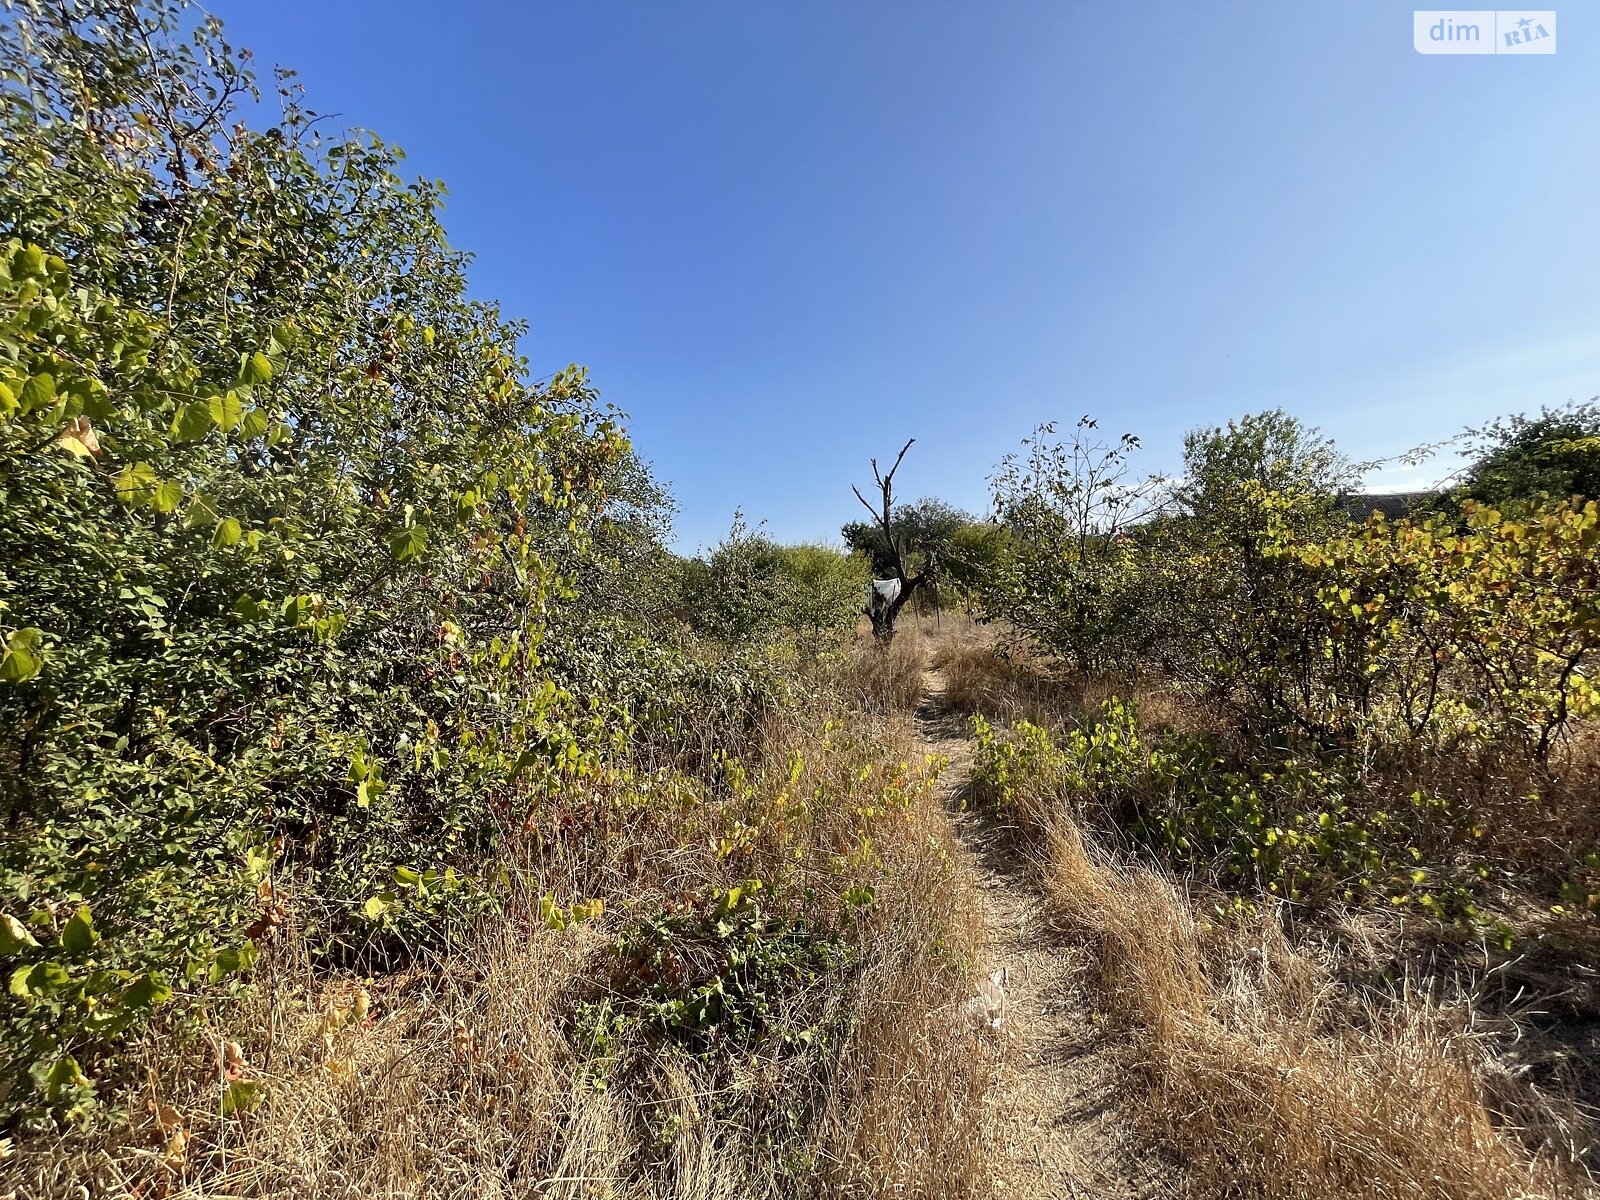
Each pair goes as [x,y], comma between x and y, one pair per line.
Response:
[883,610]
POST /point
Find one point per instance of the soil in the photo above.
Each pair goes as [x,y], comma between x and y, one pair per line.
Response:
[1057,1122]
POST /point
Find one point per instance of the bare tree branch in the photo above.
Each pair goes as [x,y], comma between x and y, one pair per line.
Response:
[884,614]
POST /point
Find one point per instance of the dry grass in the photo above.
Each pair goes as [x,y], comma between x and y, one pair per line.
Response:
[472,1076]
[990,670]
[1264,1084]
[909,1115]
[888,679]
[1000,677]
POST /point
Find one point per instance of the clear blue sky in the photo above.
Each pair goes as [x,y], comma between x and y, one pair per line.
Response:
[786,236]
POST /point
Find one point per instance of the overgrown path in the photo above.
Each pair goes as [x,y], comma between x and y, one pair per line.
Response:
[1053,1126]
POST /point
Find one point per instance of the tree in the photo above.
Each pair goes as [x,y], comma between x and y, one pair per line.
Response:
[925,529]
[1066,576]
[1273,450]
[971,560]
[1555,454]
[1236,625]
[283,519]
[749,588]
[882,610]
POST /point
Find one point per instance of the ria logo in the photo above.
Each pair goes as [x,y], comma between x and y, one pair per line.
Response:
[1528,31]
[1483,31]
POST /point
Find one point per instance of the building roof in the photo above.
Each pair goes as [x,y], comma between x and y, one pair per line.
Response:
[1361,505]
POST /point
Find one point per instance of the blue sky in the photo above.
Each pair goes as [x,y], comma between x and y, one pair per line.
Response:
[785,237]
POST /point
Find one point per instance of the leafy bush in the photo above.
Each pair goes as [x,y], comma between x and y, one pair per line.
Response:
[1482,629]
[724,970]
[283,524]
[751,589]
[1295,827]
[1068,571]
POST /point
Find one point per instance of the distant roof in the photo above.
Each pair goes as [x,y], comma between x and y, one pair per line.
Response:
[1361,505]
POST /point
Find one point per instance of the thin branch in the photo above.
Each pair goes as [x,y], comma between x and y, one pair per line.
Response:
[910,442]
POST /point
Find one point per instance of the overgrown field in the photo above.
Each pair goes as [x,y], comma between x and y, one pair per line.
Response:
[389,812]
[1325,795]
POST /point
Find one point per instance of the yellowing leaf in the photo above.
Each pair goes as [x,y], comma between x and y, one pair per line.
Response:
[342,1069]
[226,411]
[166,496]
[255,368]
[23,657]
[134,484]
[77,437]
[14,935]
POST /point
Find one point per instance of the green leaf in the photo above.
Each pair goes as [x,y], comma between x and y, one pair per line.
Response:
[194,421]
[15,937]
[408,544]
[227,533]
[134,484]
[147,991]
[38,392]
[19,982]
[255,368]
[230,960]
[24,656]
[243,1096]
[251,609]
[226,410]
[166,496]
[375,907]
[255,423]
[29,262]
[64,1075]
[406,876]
[202,510]
[78,934]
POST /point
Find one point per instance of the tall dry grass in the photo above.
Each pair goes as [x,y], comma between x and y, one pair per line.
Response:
[1265,1083]
[471,1075]
[888,679]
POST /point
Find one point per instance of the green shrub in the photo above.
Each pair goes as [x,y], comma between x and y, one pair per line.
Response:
[1068,571]
[749,589]
[1446,631]
[283,523]
[722,971]
[1296,827]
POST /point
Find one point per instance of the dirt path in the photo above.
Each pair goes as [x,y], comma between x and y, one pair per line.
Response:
[1054,1127]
